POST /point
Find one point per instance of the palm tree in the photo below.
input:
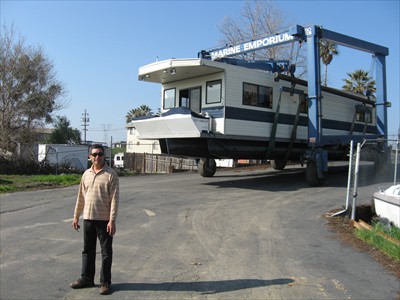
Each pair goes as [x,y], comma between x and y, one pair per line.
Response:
[141,111]
[327,51]
[359,82]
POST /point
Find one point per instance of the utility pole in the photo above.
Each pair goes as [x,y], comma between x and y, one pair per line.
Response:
[111,156]
[85,120]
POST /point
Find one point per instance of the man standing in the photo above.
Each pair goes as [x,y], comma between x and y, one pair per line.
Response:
[98,199]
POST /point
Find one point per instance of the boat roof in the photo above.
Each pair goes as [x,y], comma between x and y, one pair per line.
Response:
[177,69]
[174,69]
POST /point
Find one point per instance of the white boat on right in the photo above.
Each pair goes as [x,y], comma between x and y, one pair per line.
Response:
[387,204]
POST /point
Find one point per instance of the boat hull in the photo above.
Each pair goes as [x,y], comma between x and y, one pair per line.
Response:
[388,206]
[223,147]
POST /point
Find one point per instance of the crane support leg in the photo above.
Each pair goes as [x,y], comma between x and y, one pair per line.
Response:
[314,86]
[317,158]
[381,111]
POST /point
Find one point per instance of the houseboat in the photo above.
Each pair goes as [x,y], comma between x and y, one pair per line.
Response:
[218,110]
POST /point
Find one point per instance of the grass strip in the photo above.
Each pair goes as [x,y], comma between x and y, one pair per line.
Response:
[375,238]
[15,183]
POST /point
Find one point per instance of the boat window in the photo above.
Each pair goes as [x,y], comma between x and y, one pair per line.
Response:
[364,114]
[303,103]
[190,98]
[169,98]
[213,92]
[184,100]
[195,99]
[257,95]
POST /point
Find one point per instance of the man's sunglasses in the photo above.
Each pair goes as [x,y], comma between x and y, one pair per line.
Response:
[97,154]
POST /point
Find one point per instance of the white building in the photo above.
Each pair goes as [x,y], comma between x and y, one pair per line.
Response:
[134,145]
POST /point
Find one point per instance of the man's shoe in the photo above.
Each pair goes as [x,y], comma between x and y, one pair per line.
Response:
[82,283]
[104,288]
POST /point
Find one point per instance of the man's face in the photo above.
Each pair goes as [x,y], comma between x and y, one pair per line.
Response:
[97,157]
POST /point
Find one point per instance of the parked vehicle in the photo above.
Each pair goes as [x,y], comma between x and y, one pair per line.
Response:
[75,156]
[119,160]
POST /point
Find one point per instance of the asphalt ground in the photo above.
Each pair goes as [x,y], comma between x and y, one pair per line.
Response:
[242,234]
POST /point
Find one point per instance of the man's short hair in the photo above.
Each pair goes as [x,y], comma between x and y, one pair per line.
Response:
[96,146]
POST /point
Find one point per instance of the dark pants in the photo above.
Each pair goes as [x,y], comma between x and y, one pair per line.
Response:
[91,231]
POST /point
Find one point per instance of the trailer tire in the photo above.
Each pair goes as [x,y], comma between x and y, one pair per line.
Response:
[312,175]
[207,167]
[278,164]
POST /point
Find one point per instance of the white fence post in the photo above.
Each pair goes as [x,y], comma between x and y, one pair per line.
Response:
[348,182]
[396,159]
[353,211]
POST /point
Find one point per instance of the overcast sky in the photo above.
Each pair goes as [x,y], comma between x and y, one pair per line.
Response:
[97,46]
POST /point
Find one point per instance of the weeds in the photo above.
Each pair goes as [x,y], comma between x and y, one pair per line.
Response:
[377,240]
[392,231]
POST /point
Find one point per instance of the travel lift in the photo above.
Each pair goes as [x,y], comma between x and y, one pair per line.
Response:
[315,156]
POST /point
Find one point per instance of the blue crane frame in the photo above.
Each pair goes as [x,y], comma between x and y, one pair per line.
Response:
[312,35]
[315,155]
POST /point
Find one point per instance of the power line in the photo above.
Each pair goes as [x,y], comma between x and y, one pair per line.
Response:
[102,129]
[105,131]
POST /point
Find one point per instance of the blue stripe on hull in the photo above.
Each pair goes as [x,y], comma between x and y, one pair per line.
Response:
[288,119]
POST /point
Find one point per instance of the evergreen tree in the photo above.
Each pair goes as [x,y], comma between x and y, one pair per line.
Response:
[63,133]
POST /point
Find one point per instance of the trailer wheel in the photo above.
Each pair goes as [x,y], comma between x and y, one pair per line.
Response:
[278,164]
[312,175]
[207,167]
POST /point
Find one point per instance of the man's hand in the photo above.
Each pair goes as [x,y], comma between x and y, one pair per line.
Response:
[75,224]
[111,228]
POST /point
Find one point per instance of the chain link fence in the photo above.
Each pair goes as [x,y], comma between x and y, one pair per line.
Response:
[371,169]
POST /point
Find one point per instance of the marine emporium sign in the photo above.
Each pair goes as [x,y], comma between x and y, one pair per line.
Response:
[253,45]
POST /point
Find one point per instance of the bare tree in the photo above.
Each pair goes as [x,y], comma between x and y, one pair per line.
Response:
[30,92]
[259,19]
